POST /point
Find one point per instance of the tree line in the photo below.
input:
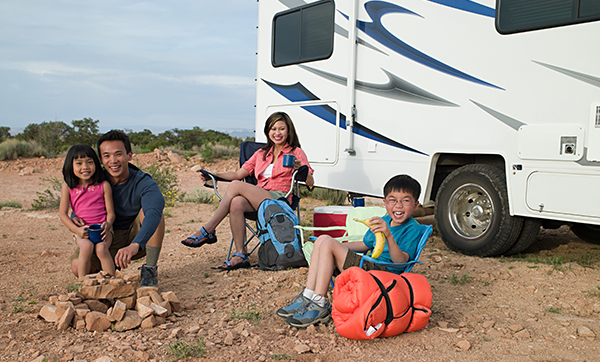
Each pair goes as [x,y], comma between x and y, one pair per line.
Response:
[57,136]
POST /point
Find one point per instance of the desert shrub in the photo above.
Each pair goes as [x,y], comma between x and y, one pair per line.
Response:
[49,198]
[12,149]
[166,179]
[200,196]
[332,197]
[210,152]
[183,349]
[10,203]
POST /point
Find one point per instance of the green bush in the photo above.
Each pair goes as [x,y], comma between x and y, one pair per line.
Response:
[210,152]
[12,149]
[332,197]
[166,179]
[49,198]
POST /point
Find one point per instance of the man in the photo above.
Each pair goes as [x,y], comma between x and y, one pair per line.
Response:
[139,227]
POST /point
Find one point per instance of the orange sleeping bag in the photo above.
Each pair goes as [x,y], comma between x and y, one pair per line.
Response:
[370,304]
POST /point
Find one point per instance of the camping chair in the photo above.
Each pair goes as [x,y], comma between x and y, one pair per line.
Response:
[355,232]
[247,149]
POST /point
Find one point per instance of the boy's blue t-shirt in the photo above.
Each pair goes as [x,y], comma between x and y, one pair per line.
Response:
[406,236]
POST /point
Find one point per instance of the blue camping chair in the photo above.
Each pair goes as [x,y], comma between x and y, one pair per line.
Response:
[247,149]
[426,231]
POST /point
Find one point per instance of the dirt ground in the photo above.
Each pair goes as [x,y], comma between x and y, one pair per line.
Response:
[484,309]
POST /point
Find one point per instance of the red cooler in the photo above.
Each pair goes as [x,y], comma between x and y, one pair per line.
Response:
[330,216]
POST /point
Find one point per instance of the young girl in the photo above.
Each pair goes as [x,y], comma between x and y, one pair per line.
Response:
[90,197]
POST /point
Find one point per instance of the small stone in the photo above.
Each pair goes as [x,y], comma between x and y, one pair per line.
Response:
[47,253]
[311,329]
[131,320]
[149,322]
[48,313]
[228,341]
[172,298]
[585,332]
[450,330]
[96,321]
[488,324]
[443,324]
[515,327]
[463,345]
[176,333]
[301,348]
[523,334]
[65,320]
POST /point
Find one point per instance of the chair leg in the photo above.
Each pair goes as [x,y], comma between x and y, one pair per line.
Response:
[253,233]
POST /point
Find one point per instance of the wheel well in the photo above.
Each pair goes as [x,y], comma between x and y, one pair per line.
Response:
[448,162]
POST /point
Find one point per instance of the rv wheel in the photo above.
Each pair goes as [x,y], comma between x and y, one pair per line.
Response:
[472,214]
[587,232]
[531,228]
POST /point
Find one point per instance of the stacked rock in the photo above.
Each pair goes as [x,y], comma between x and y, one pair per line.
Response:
[104,301]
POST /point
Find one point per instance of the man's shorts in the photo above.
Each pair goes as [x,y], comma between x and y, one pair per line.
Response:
[353,259]
[121,239]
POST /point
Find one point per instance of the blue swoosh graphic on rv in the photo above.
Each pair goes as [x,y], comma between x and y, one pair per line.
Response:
[469,6]
[376,30]
[298,93]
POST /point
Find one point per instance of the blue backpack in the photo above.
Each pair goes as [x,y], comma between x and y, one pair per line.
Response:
[279,240]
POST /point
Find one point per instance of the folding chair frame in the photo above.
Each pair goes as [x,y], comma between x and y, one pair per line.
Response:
[253,214]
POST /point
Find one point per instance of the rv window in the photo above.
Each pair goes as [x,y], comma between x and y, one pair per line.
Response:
[303,34]
[514,16]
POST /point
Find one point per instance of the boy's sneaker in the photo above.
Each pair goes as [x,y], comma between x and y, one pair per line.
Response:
[311,313]
[148,276]
[291,309]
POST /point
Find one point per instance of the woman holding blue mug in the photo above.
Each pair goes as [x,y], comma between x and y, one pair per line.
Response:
[274,180]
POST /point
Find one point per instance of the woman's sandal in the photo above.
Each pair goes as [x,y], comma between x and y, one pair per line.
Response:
[197,240]
[228,266]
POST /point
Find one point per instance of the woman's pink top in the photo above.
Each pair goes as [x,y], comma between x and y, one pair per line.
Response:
[88,203]
[282,176]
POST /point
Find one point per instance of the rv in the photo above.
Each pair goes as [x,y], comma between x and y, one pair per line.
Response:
[493,106]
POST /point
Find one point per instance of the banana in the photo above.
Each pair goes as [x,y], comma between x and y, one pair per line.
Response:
[379,239]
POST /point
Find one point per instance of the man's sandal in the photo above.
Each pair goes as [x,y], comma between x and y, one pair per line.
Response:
[228,266]
[198,241]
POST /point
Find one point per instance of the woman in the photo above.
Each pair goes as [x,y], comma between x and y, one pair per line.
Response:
[274,181]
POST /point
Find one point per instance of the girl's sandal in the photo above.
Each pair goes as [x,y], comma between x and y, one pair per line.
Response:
[198,241]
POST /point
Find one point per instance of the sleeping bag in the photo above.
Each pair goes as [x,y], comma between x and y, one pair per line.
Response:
[370,304]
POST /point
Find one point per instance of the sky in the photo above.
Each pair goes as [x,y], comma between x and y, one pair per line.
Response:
[131,65]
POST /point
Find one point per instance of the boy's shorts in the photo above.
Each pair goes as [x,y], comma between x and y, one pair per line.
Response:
[121,239]
[353,259]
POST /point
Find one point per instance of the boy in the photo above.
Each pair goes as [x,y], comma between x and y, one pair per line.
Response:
[330,257]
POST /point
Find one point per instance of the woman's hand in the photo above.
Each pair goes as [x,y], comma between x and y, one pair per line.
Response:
[297,164]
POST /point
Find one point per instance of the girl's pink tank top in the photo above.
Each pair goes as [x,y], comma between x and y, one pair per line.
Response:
[88,203]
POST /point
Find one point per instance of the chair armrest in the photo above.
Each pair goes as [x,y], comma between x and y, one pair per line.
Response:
[324,228]
[211,181]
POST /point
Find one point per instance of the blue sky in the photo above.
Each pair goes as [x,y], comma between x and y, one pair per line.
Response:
[130,64]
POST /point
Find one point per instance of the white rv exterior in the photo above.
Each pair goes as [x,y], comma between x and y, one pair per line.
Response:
[501,130]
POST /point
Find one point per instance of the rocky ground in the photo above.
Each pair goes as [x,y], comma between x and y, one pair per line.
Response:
[543,306]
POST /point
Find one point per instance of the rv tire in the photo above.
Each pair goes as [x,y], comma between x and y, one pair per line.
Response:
[472,212]
[531,228]
[587,232]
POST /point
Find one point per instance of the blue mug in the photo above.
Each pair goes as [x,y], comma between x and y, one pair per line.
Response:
[288,160]
[358,202]
[95,232]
